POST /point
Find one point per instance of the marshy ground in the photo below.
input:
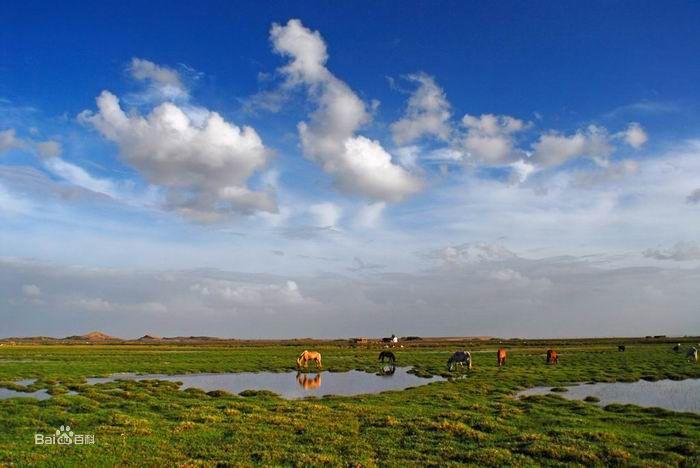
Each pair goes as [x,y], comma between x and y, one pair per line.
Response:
[472,418]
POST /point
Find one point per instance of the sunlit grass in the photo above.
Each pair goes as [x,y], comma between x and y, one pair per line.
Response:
[471,419]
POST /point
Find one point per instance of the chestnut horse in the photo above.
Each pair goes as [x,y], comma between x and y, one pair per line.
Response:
[501,355]
[552,357]
[306,356]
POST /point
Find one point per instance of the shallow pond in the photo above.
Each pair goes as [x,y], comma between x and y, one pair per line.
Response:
[6,393]
[674,395]
[291,385]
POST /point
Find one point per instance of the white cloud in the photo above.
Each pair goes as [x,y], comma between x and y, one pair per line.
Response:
[268,297]
[681,251]
[511,277]
[445,155]
[612,172]
[31,290]
[489,138]
[49,149]
[553,149]
[427,113]
[408,156]
[92,304]
[521,170]
[635,136]
[9,140]
[76,175]
[326,214]
[204,169]
[513,296]
[10,204]
[366,168]
[164,82]
[369,216]
[99,305]
[359,165]
[306,49]
[470,254]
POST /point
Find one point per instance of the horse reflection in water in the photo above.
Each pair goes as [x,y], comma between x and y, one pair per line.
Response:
[307,382]
[387,370]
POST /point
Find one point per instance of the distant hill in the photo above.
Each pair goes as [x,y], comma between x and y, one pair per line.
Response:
[92,336]
[149,338]
[192,338]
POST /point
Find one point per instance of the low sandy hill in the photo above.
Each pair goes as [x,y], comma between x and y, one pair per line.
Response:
[149,338]
[92,336]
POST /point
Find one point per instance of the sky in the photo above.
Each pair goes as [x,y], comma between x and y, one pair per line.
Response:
[316,169]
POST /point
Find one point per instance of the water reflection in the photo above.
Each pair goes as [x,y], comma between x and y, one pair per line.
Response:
[292,384]
[307,382]
[286,384]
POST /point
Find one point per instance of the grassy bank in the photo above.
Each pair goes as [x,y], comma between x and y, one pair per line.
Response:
[473,419]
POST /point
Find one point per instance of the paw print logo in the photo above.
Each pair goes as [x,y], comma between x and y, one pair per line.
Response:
[64,436]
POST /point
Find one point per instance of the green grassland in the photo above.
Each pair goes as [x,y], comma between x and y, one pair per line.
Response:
[470,419]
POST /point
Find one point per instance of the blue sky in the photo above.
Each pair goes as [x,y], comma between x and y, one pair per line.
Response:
[293,158]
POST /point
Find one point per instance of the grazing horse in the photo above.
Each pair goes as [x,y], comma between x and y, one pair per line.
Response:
[461,358]
[309,383]
[692,354]
[552,357]
[677,348]
[501,355]
[306,356]
[388,355]
[621,348]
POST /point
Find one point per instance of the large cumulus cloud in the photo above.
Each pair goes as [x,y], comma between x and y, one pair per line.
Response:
[203,164]
[359,165]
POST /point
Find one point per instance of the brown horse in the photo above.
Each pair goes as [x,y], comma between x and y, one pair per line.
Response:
[306,356]
[501,355]
[552,357]
[309,383]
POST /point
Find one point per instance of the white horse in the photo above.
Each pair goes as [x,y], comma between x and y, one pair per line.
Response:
[692,354]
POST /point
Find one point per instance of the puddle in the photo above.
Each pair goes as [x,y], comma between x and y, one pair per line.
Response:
[291,385]
[6,393]
[26,382]
[674,395]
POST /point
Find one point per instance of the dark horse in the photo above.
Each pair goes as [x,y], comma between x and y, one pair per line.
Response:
[552,357]
[621,348]
[387,355]
[461,358]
